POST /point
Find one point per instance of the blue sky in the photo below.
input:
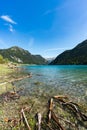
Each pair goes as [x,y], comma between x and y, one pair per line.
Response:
[45,27]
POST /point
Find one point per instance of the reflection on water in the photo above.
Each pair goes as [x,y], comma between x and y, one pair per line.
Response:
[54,80]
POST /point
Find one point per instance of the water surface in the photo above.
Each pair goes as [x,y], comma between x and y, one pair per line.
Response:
[56,79]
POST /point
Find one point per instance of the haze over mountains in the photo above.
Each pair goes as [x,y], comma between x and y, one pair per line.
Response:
[49,60]
[77,56]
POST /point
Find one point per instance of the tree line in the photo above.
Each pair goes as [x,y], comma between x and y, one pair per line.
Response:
[3,60]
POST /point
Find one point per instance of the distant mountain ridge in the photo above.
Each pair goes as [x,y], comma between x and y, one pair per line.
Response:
[49,60]
[19,55]
[77,56]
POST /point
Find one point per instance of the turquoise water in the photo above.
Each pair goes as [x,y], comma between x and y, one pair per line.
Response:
[54,80]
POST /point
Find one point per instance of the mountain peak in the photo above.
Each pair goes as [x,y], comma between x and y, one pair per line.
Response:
[19,55]
[16,48]
[77,55]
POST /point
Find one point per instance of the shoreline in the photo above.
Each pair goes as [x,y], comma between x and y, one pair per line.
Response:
[12,103]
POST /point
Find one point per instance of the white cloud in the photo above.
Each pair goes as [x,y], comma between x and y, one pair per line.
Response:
[51,11]
[8,19]
[11,28]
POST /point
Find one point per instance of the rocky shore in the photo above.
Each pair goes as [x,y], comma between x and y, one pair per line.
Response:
[18,112]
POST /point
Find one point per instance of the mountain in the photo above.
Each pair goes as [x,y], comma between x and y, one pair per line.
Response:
[19,55]
[77,56]
[49,60]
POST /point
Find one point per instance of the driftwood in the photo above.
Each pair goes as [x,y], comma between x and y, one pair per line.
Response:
[56,120]
[61,96]
[20,78]
[73,107]
[16,79]
[25,119]
[39,121]
[50,103]
[53,120]
[12,95]
[8,96]
[83,116]
[51,115]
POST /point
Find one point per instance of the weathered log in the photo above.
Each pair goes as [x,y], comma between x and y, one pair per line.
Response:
[83,116]
[20,78]
[10,96]
[74,107]
[60,96]
[51,104]
[59,100]
[25,119]
[39,121]
[56,120]
[48,117]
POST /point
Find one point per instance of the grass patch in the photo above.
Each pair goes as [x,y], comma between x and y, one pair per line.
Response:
[4,70]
